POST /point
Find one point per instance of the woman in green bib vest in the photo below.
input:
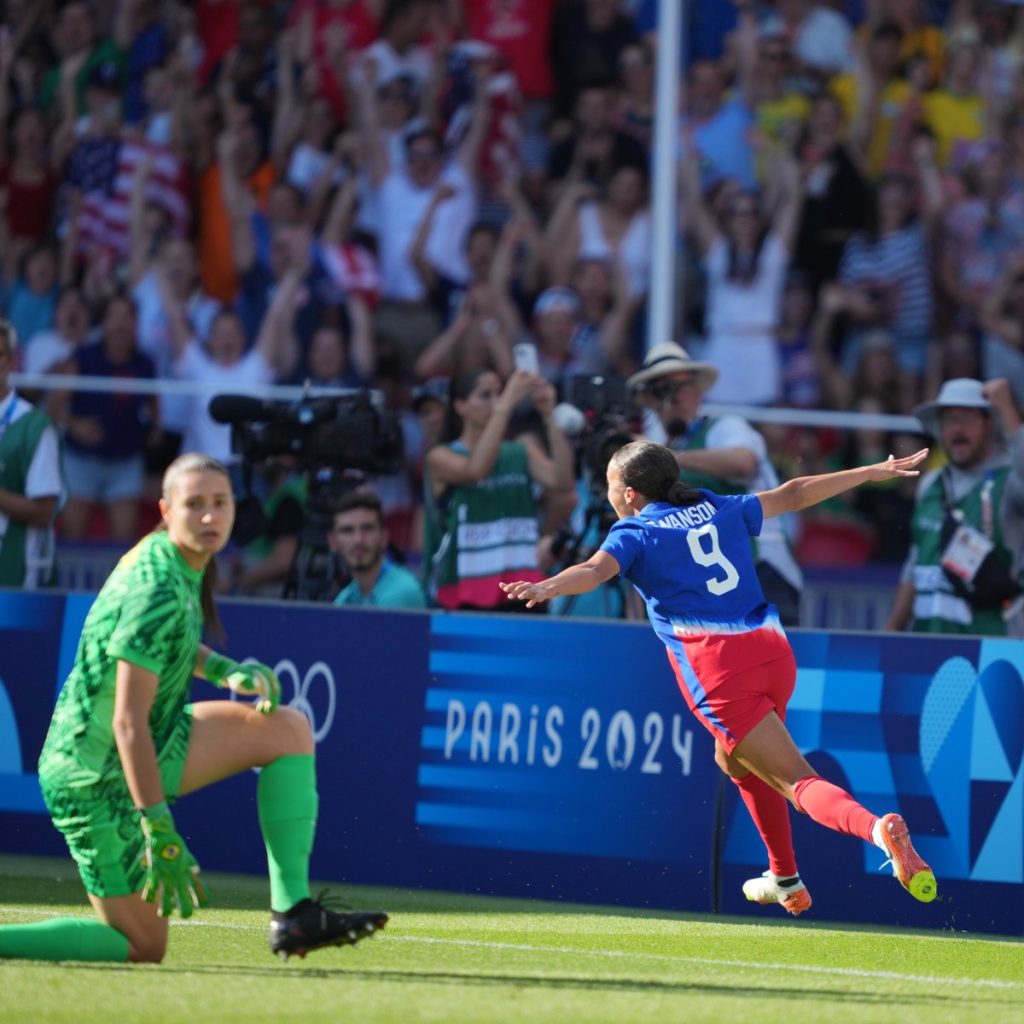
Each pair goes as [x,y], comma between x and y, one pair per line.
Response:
[482,521]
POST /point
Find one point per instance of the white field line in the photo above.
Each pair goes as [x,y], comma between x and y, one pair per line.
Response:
[843,972]
[714,962]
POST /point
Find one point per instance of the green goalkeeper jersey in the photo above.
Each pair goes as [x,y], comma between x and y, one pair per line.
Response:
[147,613]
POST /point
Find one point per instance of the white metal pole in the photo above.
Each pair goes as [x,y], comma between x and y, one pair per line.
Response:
[664,206]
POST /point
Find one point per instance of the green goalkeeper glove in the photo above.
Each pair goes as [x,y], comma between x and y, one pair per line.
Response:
[172,874]
[250,680]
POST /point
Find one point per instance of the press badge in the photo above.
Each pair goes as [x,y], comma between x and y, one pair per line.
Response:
[965,552]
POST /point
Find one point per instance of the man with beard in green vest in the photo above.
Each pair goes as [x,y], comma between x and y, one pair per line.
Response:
[31,482]
[724,454]
[965,567]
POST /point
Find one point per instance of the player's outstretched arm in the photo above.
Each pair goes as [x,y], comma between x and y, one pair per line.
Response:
[576,579]
[247,680]
[804,491]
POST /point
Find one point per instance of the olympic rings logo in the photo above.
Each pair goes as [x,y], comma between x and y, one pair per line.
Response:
[318,702]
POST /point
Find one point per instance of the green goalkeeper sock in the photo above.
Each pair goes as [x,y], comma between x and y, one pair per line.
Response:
[63,938]
[287,803]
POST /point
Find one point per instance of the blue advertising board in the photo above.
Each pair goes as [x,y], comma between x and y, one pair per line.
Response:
[534,756]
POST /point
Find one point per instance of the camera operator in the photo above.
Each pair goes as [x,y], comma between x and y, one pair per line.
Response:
[725,454]
[327,445]
[358,535]
[263,563]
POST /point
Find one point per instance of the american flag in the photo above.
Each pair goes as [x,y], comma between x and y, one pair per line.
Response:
[501,144]
[353,269]
[103,223]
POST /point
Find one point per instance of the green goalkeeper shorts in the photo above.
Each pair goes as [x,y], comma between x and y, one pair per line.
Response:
[100,824]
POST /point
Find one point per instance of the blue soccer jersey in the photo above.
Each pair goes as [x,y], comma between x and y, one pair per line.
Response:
[694,568]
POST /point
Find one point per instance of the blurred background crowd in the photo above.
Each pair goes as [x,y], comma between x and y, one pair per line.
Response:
[394,194]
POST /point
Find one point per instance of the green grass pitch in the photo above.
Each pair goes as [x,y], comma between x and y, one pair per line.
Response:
[450,958]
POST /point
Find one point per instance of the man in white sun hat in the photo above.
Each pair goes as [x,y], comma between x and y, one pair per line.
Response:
[722,453]
[965,567]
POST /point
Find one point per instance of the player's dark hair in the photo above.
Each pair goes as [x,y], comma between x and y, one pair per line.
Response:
[651,470]
[196,462]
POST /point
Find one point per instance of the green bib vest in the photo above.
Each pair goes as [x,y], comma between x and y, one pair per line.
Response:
[18,444]
[937,607]
[485,533]
[697,441]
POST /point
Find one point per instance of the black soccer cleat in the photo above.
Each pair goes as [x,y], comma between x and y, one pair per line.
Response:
[310,925]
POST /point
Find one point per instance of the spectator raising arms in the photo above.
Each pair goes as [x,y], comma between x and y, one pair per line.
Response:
[883,270]
[611,224]
[745,261]
[1002,319]
[223,364]
[405,195]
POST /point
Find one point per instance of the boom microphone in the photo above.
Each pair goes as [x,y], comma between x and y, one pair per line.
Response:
[241,409]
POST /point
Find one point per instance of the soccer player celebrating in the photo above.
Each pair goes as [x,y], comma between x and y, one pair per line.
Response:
[124,743]
[687,551]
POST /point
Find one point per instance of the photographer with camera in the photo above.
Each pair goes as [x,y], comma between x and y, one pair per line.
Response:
[725,454]
[482,516]
[965,570]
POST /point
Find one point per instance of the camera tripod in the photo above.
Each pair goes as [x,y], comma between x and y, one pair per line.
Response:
[612,593]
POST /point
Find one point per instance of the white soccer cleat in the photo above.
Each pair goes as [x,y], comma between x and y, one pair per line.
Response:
[790,893]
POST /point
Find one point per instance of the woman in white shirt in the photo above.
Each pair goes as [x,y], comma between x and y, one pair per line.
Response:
[613,227]
[745,259]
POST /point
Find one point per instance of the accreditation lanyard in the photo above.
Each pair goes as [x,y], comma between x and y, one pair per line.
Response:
[987,524]
[9,414]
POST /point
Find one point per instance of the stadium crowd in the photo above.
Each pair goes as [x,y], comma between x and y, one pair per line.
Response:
[395,194]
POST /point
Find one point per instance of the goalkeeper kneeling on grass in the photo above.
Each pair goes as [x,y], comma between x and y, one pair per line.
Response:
[124,743]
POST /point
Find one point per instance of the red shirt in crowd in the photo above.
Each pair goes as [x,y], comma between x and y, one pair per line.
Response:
[28,205]
[358,27]
[520,30]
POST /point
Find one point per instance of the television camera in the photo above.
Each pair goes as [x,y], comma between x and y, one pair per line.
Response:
[345,431]
[334,441]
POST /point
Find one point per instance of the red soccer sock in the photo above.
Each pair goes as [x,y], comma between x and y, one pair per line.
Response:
[770,812]
[833,807]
